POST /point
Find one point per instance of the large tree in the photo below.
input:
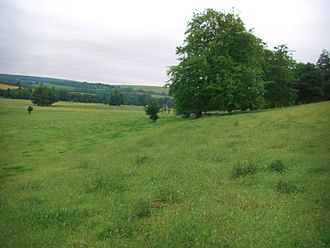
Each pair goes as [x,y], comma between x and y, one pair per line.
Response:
[279,76]
[310,84]
[220,66]
[44,96]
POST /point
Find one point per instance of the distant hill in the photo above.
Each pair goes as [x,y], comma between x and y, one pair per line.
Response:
[80,87]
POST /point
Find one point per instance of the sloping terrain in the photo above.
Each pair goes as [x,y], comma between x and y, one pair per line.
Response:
[80,87]
[90,175]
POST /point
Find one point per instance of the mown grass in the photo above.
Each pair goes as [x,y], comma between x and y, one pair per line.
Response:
[90,175]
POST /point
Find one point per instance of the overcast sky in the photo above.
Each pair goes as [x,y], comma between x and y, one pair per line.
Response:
[134,41]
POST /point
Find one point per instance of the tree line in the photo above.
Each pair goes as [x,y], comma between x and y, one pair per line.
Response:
[45,96]
[224,67]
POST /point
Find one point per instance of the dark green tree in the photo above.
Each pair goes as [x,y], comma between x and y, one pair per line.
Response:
[115,98]
[323,64]
[44,96]
[220,66]
[152,109]
[280,78]
[310,84]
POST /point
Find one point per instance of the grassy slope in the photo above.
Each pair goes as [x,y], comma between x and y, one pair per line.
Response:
[85,176]
[155,89]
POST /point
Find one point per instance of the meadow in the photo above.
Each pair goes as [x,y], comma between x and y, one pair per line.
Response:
[93,175]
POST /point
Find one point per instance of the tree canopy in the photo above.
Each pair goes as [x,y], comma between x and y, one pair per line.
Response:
[44,96]
[323,64]
[279,76]
[220,66]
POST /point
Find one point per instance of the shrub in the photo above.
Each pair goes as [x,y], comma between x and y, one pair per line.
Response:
[286,187]
[242,170]
[277,166]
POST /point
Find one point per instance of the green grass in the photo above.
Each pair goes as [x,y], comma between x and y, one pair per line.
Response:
[90,175]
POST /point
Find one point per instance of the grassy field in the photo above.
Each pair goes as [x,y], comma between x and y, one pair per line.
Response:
[156,89]
[90,175]
[7,86]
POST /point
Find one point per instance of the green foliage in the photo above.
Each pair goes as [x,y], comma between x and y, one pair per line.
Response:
[44,96]
[279,76]
[73,91]
[220,66]
[242,170]
[152,109]
[115,98]
[310,85]
[286,187]
[277,166]
[323,63]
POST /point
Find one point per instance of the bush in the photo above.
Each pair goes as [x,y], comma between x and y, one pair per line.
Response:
[242,170]
[286,187]
[277,166]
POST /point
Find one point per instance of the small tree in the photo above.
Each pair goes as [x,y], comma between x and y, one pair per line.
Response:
[152,109]
[30,109]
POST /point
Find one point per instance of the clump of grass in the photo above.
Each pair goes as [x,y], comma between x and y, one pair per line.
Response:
[82,164]
[277,166]
[286,187]
[121,225]
[142,208]
[167,195]
[57,218]
[107,183]
[141,160]
[242,170]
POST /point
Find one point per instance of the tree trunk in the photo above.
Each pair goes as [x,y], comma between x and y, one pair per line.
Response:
[198,114]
